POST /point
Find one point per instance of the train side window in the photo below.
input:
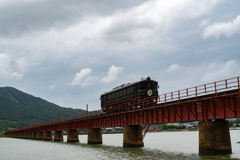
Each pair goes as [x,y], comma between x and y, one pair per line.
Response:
[124,92]
[131,89]
[110,96]
[128,90]
[113,95]
[120,93]
[116,94]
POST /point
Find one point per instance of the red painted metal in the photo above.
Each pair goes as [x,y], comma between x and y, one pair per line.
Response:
[217,100]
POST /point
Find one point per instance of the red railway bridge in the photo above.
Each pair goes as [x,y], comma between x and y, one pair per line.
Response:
[210,104]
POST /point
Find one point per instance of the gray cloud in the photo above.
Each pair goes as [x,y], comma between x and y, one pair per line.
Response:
[21,17]
[47,44]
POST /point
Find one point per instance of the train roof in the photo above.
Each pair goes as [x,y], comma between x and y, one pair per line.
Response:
[125,85]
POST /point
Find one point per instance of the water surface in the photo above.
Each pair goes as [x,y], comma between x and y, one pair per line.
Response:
[162,145]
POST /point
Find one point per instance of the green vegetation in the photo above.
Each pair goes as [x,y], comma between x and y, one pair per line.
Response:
[112,132]
[168,127]
[234,123]
[19,109]
[2,134]
[193,129]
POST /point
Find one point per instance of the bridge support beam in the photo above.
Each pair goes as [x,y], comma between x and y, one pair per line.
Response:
[58,135]
[214,137]
[132,136]
[47,135]
[72,135]
[40,135]
[94,136]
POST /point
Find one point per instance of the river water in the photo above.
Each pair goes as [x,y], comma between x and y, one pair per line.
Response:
[162,145]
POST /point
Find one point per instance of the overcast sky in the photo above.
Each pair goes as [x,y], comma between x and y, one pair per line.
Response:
[70,52]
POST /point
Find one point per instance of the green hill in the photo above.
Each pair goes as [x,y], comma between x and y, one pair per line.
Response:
[19,109]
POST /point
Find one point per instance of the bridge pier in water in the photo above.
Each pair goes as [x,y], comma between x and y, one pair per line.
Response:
[40,135]
[94,136]
[26,135]
[34,135]
[214,137]
[132,136]
[58,135]
[30,135]
[72,135]
[47,135]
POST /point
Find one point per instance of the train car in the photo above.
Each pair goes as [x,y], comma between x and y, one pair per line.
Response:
[130,96]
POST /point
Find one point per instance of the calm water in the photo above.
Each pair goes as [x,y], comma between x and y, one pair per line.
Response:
[163,145]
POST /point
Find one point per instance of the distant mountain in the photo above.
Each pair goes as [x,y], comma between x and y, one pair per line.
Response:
[19,109]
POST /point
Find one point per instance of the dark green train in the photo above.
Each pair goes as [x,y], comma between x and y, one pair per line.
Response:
[130,96]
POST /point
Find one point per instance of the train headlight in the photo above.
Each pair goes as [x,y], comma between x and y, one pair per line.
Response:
[149,92]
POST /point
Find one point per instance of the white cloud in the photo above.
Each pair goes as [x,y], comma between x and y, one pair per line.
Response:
[219,71]
[7,68]
[112,74]
[83,78]
[52,87]
[204,23]
[22,64]
[222,29]
[173,68]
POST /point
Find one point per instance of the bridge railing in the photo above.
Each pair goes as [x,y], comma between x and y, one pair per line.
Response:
[65,119]
[201,90]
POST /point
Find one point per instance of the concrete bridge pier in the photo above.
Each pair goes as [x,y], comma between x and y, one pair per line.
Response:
[29,135]
[47,135]
[72,135]
[94,136]
[26,135]
[132,136]
[40,135]
[58,135]
[214,137]
[34,135]
[22,135]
